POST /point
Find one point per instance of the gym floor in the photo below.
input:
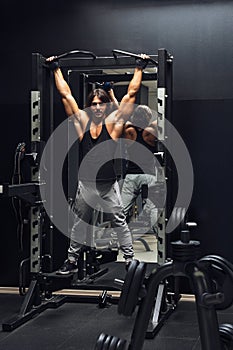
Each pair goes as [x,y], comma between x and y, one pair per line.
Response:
[76,325]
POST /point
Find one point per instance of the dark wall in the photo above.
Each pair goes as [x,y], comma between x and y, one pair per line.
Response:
[205,126]
[199,34]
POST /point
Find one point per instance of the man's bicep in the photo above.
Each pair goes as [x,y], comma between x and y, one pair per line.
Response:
[126,107]
[128,98]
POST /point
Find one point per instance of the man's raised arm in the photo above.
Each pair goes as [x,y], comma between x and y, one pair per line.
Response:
[69,102]
[126,104]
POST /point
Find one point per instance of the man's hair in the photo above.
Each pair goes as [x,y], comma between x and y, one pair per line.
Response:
[100,93]
[142,116]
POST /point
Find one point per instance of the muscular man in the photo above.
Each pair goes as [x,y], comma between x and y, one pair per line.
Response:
[98,129]
[141,133]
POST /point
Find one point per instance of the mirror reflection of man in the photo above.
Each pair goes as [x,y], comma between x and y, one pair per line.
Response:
[140,133]
[94,126]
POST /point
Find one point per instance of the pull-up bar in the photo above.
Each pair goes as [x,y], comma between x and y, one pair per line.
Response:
[126,53]
[75,52]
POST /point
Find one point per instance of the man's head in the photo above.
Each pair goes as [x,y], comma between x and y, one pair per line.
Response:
[99,101]
[142,116]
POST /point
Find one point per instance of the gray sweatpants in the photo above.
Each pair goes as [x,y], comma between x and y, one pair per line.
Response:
[131,189]
[90,196]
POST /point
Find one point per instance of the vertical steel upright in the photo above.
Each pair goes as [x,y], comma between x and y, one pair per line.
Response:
[42,126]
[36,134]
[164,98]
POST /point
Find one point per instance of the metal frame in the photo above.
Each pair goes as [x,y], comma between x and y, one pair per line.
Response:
[42,125]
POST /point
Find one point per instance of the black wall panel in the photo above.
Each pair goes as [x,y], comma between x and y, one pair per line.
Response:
[205,129]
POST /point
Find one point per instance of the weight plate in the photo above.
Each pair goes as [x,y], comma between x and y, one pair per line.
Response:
[183,219]
[225,261]
[226,335]
[126,286]
[178,218]
[133,293]
[221,274]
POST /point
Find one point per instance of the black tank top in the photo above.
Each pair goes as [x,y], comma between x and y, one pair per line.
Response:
[146,159]
[97,156]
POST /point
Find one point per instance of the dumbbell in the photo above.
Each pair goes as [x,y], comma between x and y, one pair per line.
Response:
[110,342]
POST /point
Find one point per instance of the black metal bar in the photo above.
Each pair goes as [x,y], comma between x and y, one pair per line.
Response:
[162,72]
[146,305]
[76,52]
[207,316]
[50,108]
[126,53]
[90,278]
[93,78]
[165,87]
[107,62]
[27,191]
[22,282]
[20,189]
[27,314]
[37,75]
